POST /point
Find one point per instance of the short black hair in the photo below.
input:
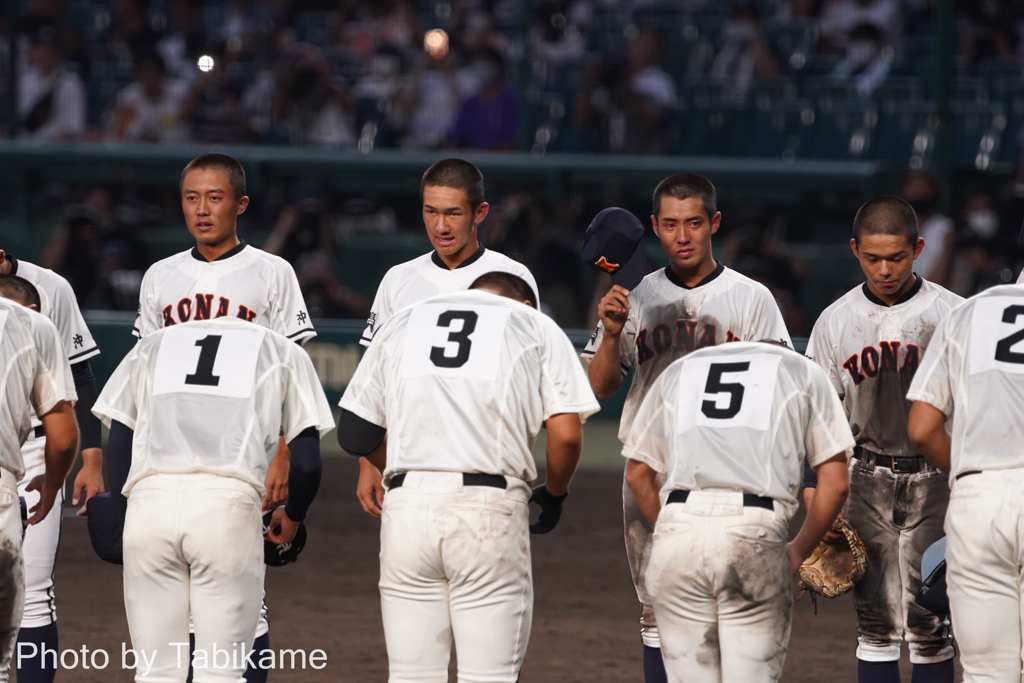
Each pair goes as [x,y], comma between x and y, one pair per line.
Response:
[236,174]
[457,174]
[886,215]
[512,286]
[685,186]
[19,289]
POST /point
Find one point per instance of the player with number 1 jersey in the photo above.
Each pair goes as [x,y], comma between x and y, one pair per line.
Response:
[692,303]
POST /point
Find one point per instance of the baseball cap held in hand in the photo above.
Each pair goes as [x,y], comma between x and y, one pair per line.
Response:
[614,242]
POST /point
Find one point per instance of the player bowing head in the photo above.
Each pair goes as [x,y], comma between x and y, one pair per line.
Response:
[452,191]
[506,285]
[685,217]
[212,198]
[20,290]
[886,242]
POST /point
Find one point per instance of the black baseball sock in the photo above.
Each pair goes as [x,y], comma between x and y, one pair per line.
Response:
[878,672]
[37,669]
[258,675]
[936,672]
[654,667]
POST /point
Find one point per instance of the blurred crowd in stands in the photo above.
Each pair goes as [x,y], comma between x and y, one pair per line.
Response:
[789,78]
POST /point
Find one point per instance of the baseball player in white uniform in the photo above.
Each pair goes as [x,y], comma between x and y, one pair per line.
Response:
[452,194]
[56,300]
[716,456]
[692,303]
[192,529]
[870,343]
[973,373]
[463,383]
[37,383]
[222,276]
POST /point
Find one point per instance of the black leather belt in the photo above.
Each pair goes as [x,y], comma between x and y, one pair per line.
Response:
[898,464]
[966,474]
[40,432]
[495,481]
[749,499]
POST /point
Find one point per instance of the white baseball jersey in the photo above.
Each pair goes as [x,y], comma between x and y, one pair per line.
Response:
[871,352]
[463,383]
[741,416]
[427,276]
[212,396]
[37,376]
[974,372]
[244,283]
[58,303]
[668,320]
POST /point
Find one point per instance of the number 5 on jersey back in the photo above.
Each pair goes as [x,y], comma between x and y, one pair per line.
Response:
[727,391]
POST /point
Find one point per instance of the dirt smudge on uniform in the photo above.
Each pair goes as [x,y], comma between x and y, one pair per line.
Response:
[709,654]
[11,589]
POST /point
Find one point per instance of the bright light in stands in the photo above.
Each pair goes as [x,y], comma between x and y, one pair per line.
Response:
[435,43]
[205,63]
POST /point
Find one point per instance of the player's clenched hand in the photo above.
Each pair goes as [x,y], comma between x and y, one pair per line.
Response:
[550,509]
[614,309]
[47,496]
[370,489]
[831,536]
[281,529]
[89,480]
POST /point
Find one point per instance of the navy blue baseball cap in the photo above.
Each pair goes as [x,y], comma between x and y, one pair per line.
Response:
[614,242]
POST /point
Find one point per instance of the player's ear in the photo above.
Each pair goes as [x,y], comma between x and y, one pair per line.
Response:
[481,213]
[856,252]
[716,221]
[654,225]
[242,203]
[918,246]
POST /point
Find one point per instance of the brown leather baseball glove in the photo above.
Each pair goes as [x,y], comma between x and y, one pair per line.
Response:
[834,567]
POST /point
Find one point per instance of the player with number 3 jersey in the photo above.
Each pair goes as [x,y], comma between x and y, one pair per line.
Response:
[463,383]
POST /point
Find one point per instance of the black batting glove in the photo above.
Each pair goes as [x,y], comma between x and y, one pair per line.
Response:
[550,509]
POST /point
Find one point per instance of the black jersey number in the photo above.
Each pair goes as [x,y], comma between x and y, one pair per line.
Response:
[1003,352]
[715,385]
[460,337]
[203,376]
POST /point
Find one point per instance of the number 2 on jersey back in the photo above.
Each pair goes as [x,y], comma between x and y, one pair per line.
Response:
[997,335]
[454,342]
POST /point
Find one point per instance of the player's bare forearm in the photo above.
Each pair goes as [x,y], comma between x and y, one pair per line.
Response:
[276,481]
[826,503]
[60,450]
[604,372]
[643,482]
[565,444]
[89,481]
[927,430]
[370,489]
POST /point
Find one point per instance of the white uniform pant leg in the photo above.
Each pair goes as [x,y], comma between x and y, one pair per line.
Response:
[638,536]
[984,553]
[721,588]
[40,545]
[226,574]
[12,570]
[455,564]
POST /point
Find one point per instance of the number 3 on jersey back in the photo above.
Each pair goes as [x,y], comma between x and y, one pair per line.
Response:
[204,360]
[454,342]
[737,392]
[997,335]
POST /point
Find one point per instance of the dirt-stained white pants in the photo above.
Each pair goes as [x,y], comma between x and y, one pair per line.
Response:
[455,564]
[192,541]
[719,581]
[984,555]
[12,569]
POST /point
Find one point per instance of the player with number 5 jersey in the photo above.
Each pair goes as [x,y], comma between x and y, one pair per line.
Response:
[715,459]
[463,383]
[647,325]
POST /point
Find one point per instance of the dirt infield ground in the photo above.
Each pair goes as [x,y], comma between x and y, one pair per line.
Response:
[584,627]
